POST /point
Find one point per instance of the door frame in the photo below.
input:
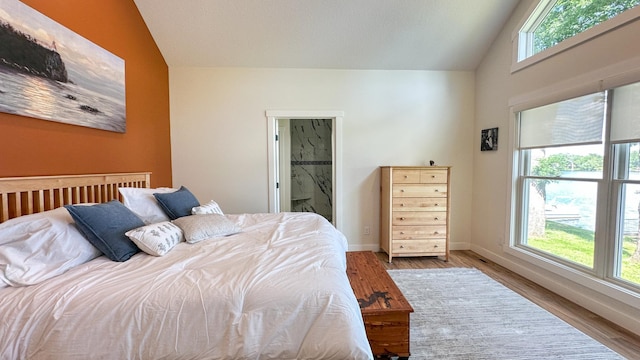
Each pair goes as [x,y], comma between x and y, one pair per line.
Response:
[336,153]
[284,164]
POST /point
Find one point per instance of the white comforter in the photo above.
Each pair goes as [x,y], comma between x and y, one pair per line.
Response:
[277,290]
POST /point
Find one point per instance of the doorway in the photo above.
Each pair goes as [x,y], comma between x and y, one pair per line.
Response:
[305,163]
[306,166]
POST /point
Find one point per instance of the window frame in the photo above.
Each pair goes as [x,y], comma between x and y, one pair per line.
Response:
[521,36]
[619,158]
[601,279]
[521,240]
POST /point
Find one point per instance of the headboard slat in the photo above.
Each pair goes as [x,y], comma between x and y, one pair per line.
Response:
[30,202]
[4,199]
[51,204]
[26,195]
[40,200]
[18,202]
[67,196]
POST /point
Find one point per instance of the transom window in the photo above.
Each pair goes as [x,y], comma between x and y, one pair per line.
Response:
[552,22]
[578,184]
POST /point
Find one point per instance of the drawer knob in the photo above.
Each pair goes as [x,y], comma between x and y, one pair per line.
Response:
[435,233]
[435,246]
[401,190]
[433,176]
[436,204]
[402,218]
[401,232]
[406,176]
[401,204]
[401,246]
[436,190]
[435,218]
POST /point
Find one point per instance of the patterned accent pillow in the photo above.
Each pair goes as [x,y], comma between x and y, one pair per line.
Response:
[201,227]
[211,207]
[156,239]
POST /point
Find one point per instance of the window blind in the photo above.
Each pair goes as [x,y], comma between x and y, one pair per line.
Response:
[571,122]
[625,114]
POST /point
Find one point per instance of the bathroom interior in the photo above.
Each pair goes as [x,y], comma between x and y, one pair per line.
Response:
[306,166]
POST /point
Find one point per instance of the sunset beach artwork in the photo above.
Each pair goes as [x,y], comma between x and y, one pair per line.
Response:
[49,72]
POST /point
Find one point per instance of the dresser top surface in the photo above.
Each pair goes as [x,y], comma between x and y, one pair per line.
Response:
[416,167]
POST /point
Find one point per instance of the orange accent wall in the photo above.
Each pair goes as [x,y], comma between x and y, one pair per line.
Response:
[30,147]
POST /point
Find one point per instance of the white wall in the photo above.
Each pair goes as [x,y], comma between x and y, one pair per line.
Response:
[219,134]
[495,87]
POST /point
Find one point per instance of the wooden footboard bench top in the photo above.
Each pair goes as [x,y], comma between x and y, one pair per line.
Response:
[384,309]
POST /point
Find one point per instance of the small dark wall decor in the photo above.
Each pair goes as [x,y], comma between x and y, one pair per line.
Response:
[49,72]
[489,139]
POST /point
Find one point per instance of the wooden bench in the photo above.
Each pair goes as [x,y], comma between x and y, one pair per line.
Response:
[384,309]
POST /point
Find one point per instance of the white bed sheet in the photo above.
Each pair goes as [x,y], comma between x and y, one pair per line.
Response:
[277,290]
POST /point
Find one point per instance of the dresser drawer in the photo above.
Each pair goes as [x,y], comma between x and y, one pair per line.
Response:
[419,204]
[410,176]
[406,177]
[433,176]
[418,232]
[425,247]
[419,218]
[419,190]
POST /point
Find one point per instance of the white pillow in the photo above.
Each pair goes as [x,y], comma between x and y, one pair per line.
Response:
[36,247]
[156,239]
[209,208]
[142,202]
[200,227]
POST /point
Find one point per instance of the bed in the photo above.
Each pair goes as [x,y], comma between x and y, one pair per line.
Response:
[261,286]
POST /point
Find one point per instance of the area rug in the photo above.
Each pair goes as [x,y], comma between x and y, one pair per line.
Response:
[463,314]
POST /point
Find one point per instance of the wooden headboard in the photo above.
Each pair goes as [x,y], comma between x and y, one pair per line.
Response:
[27,195]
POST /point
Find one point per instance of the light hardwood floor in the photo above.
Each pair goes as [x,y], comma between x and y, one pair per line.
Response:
[616,338]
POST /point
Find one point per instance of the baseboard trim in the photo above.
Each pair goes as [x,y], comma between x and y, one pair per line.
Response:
[376,247]
[364,247]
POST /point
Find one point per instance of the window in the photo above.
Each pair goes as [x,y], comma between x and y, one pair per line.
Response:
[573,207]
[552,22]
[627,250]
[625,135]
[561,165]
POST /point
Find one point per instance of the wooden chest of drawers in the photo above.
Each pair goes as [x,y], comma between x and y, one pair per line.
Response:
[414,211]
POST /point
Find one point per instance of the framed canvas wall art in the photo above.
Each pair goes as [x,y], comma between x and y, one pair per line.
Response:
[49,72]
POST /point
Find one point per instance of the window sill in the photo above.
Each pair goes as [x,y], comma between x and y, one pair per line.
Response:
[619,293]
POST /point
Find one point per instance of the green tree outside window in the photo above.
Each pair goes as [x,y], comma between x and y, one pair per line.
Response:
[571,17]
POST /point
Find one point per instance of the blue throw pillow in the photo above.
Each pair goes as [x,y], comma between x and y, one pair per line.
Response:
[178,203]
[105,225]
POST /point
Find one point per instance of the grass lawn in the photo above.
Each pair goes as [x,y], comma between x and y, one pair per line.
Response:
[577,245]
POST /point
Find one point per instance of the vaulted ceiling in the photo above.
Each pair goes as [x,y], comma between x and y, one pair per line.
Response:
[326,34]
